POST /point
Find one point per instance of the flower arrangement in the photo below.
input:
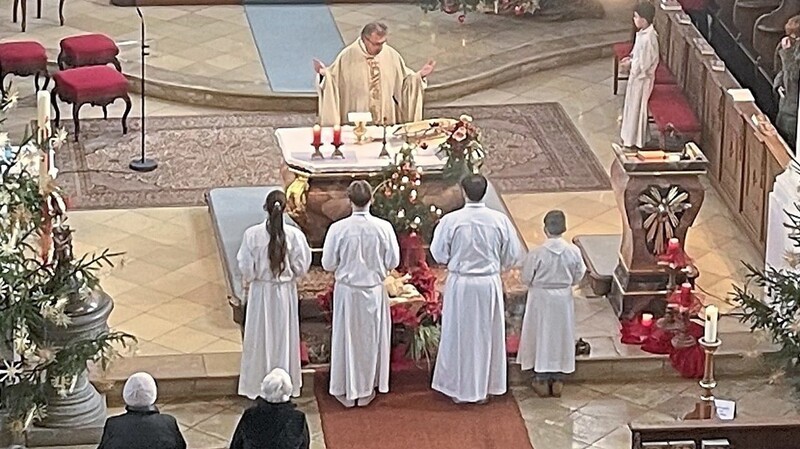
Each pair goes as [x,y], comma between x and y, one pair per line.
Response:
[41,284]
[463,149]
[518,7]
[415,308]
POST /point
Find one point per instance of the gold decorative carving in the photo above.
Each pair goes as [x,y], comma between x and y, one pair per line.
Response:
[661,210]
[296,199]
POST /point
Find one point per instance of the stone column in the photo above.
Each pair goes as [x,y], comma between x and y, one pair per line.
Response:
[79,417]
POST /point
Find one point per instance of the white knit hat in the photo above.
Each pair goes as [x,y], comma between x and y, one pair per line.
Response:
[276,386]
[140,390]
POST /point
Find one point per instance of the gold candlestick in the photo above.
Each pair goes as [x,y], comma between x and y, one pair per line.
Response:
[705,408]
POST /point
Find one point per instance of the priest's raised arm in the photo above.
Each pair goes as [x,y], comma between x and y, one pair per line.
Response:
[370,76]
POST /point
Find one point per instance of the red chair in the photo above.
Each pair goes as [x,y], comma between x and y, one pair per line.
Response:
[98,85]
[621,51]
[24,58]
[671,111]
[88,49]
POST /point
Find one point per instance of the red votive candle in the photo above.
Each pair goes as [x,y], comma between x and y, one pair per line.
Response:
[647,319]
[317,141]
[686,294]
[337,135]
[673,246]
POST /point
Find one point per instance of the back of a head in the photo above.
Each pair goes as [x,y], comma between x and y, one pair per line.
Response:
[140,390]
[371,28]
[792,27]
[474,187]
[276,386]
[646,11]
[360,193]
[555,223]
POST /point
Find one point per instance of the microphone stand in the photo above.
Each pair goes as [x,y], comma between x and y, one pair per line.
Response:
[143,164]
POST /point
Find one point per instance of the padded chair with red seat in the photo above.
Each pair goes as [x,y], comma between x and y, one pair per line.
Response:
[98,85]
[670,110]
[23,58]
[621,51]
[88,49]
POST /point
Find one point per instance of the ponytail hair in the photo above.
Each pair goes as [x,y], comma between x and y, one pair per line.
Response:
[274,206]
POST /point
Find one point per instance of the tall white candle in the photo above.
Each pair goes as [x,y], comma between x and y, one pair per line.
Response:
[43,114]
[712,315]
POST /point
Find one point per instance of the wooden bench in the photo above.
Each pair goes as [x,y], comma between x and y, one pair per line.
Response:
[621,51]
[671,112]
[778,433]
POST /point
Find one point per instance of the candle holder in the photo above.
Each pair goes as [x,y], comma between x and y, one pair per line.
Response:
[705,408]
[682,339]
[317,155]
[384,152]
[337,153]
[670,321]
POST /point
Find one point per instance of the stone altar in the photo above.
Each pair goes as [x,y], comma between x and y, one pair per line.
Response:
[316,187]
[658,199]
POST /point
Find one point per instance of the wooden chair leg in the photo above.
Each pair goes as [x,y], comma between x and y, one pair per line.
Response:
[62,61]
[46,80]
[14,12]
[61,12]
[616,74]
[76,108]
[117,65]
[128,106]
[36,81]
[38,9]
[54,102]
[24,14]
[105,112]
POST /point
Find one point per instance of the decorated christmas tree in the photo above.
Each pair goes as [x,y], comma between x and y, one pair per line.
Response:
[770,301]
[42,286]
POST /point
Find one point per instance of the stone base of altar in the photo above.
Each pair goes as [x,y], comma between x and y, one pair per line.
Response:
[636,292]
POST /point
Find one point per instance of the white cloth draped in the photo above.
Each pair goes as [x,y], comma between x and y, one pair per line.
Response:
[272,327]
[360,249]
[547,343]
[476,243]
[642,78]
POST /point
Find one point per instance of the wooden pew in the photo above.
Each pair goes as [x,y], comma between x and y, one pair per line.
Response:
[779,433]
[747,12]
[743,161]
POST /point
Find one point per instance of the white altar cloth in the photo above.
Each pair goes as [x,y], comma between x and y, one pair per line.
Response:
[295,144]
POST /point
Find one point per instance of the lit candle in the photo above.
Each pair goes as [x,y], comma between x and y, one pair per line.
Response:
[712,315]
[686,294]
[647,319]
[43,115]
[337,135]
[317,136]
[673,245]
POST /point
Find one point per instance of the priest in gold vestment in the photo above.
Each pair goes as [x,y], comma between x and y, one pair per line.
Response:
[370,76]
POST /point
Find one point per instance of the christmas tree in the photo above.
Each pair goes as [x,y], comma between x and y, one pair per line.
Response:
[41,284]
[774,304]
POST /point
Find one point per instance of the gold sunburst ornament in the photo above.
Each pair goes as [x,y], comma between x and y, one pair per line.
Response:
[662,209]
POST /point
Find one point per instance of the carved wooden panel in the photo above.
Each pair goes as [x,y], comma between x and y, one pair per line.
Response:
[663,26]
[754,185]
[713,123]
[695,80]
[678,58]
[732,163]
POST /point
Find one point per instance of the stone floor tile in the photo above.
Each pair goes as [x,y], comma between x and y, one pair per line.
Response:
[184,339]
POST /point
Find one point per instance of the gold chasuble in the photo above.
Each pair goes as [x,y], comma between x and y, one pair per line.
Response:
[359,82]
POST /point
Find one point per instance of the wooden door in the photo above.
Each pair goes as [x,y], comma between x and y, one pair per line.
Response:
[713,125]
[754,185]
[732,163]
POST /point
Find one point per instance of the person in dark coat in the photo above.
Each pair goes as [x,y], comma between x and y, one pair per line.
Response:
[141,426]
[274,422]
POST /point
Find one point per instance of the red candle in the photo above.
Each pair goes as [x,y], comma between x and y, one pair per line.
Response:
[337,135]
[686,294]
[647,319]
[317,136]
[673,246]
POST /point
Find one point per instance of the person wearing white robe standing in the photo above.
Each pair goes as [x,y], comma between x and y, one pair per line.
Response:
[477,244]
[271,259]
[361,249]
[547,343]
[642,65]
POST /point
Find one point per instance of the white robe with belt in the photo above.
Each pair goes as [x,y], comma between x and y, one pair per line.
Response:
[360,249]
[476,243]
[642,78]
[547,343]
[393,92]
[272,325]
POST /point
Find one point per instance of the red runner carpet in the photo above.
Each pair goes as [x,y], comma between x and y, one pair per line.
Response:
[413,415]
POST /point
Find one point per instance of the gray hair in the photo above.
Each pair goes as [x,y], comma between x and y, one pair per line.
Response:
[276,386]
[371,28]
[140,390]
[555,223]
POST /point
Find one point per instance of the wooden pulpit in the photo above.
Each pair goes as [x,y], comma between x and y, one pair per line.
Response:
[659,198]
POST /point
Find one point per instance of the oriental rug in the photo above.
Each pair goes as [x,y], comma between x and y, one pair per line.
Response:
[531,148]
[412,415]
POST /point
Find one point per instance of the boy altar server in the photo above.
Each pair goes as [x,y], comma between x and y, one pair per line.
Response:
[642,63]
[547,343]
[476,243]
[360,249]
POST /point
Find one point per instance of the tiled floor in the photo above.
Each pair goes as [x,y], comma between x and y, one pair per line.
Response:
[587,416]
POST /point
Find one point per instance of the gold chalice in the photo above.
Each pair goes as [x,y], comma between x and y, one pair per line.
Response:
[360,131]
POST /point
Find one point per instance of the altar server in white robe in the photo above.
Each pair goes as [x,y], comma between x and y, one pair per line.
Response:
[547,343]
[477,244]
[361,249]
[642,65]
[370,76]
[271,260]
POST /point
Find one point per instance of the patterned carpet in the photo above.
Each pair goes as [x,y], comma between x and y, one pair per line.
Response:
[531,148]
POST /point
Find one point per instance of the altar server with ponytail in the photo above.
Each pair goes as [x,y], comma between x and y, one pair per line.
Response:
[272,258]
